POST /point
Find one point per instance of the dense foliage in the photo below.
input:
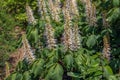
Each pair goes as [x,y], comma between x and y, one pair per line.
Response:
[60,40]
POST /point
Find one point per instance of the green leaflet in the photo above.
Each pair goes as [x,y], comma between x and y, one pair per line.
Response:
[116,3]
[113,14]
[55,72]
[91,41]
[112,77]
[13,77]
[19,76]
[38,67]
[68,60]
[26,76]
[34,35]
[72,74]
[107,71]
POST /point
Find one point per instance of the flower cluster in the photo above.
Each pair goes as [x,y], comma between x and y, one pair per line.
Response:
[49,31]
[106,38]
[28,53]
[90,12]
[49,34]
[30,17]
[54,8]
[71,32]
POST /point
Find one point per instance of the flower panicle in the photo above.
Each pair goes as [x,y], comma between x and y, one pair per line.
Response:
[106,38]
[76,37]
[49,34]
[71,31]
[27,49]
[49,31]
[90,9]
[30,17]
[43,10]
[67,27]
[74,8]
[54,9]
[106,48]
[75,30]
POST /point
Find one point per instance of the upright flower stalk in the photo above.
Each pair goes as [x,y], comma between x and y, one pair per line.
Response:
[75,17]
[54,7]
[76,37]
[49,31]
[67,35]
[71,32]
[30,18]
[106,39]
[19,55]
[73,8]
[58,8]
[90,10]
[27,49]
[42,8]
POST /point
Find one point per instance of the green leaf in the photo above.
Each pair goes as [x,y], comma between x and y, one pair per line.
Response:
[72,74]
[107,71]
[20,66]
[98,73]
[116,3]
[34,35]
[112,77]
[104,32]
[68,60]
[13,77]
[78,60]
[114,15]
[19,77]
[38,67]
[34,66]
[91,41]
[26,76]
[55,72]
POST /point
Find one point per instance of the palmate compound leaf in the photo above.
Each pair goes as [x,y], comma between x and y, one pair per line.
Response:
[82,59]
[81,62]
[68,59]
[91,41]
[38,67]
[55,72]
